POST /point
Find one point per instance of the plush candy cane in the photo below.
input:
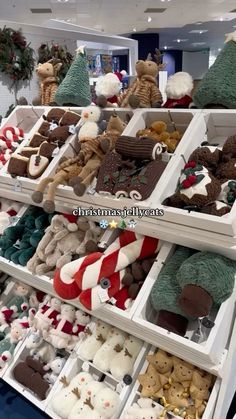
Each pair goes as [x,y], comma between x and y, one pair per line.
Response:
[13,133]
[64,279]
[91,298]
[90,276]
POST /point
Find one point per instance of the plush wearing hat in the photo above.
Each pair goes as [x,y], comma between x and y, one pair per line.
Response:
[107,89]
[218,86]
[178,90]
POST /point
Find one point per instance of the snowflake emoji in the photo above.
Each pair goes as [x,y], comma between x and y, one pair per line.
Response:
[103,224]
[132,223]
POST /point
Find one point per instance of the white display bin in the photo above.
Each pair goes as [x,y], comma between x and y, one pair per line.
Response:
[24,117]
[206,354]
[135,395]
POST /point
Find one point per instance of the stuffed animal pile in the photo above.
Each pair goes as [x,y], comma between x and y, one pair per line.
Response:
[111,350]
[178,297]
[33,159]
[10,139]
[175,384]
[61,325]
[98,277]
[208,181]
[95,139]
[8,212]
[65,239]
[159,132]
[132,170]
[19,242]
[14,318]
[84,397]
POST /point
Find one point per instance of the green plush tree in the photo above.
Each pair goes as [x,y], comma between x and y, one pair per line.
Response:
[218,87]
[75,88]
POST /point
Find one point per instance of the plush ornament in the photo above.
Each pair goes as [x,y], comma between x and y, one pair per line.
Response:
[94,340]
[9,343]
[61,335]
[197,186]
[228,192]
[211,282]
[207,156]
[226,170]
[199,389]
[48,73]
[107,89]
[217,208]
[31,379]
[143,93]
[151,383]
[54,367]
[182,373]
[229,149]
[163,363]
[178,90]
[87,396]
[123,362]
[92,123]
[75,88]
[143,409]
[105,355]
[63,402]
[106,403]
[46,316]
[217,88]
[40,349]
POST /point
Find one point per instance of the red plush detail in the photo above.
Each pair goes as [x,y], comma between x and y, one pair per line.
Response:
[183,102]
[71,218]
[190,165]
[121,297]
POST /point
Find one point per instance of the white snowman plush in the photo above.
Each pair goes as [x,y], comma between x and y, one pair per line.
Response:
[64,401]
[122,364]
[94,341]
[108,350]
[106,403]
[91,123]
[61,335]
[143,409]
[88,393]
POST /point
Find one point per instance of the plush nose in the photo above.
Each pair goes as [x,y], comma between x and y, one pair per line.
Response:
[86,115]
[107,404]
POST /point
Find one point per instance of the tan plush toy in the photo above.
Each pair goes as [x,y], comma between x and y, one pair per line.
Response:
[199,390]
[47,74]
[158,132]
[163,364]
[151,384]
[143,93]
[182,373]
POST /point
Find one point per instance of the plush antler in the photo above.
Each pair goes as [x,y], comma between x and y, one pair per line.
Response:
[127,353]
[89,403]
[118,348]
[100,338]
[64,381]
[88,331]
[76,392]
[158,56]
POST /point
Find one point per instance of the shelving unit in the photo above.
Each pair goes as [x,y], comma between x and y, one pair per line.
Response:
[170,230]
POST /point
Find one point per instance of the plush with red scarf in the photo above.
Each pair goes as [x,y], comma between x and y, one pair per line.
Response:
[178,89]
[108,88]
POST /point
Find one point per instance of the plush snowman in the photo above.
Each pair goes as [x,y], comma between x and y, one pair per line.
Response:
[61,335]
[91,123]
[106,403]
[83,406]
[94,341]
[108,350]
[122,364]
[143,409]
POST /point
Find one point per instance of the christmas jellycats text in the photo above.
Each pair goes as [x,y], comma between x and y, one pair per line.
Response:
[122,213]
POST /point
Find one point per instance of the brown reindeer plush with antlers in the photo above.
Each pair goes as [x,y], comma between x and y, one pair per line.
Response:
[144,93]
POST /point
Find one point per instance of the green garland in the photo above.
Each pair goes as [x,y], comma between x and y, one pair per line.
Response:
[16,56]
[46,53]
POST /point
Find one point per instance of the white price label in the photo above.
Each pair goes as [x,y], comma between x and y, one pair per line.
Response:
[17,186]
[85,366]
[53,126]
[55,151]
[113,301]
[166,157]
[72,129]
[103,295]
[120,386]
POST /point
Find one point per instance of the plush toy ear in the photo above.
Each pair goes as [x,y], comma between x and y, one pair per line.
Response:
[57,68]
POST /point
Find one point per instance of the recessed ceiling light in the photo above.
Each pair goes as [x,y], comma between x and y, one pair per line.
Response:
[198,23]
[134,30]
[198,44]
[62,1]
[180,40]
[165,47]
[200,31]
[219,49]
[149,19]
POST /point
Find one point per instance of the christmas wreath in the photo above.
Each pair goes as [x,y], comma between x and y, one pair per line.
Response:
[16,56]
[46,53]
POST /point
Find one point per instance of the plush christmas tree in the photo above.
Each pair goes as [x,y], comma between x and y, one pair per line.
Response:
[75,88]
[218,87]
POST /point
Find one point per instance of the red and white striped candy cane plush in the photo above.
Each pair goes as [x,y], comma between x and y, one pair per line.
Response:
[13,133]
[90,298]
[90,276]
[64,279]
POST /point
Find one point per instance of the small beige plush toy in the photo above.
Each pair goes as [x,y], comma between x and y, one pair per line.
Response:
[47,74]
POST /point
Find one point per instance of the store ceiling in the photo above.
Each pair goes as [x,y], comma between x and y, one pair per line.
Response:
[173,19]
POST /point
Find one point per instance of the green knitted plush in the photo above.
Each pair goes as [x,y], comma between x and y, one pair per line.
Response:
[218,87]
[166,290]
[212,272]
[75,88]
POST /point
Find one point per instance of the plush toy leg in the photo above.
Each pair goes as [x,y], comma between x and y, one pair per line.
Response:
[37,195]
[86,175]
[49,205]
[64,279]
[90,298]
[82,184]
[134,101]
[140,249]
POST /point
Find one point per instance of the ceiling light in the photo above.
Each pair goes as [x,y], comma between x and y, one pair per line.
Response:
[134,30]
[219,49]
[62,1]
[200,31]
[198,44]
[165,47]
[198,23]
[178,40]
[149,19]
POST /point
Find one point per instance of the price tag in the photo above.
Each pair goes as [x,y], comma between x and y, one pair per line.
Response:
[72,129]
[85,366]
[14,219]
[55,151]
[166,157]
[103,295]
[120,386]
[53,126]
[113,301]
[17,186]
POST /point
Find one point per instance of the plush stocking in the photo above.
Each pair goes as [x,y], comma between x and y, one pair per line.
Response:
[115,261]
[65,283]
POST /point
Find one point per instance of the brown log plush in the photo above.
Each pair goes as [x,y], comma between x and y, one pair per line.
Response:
[138,148]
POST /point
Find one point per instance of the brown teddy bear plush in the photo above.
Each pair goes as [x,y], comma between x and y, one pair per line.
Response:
[143,93]
[47,74]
